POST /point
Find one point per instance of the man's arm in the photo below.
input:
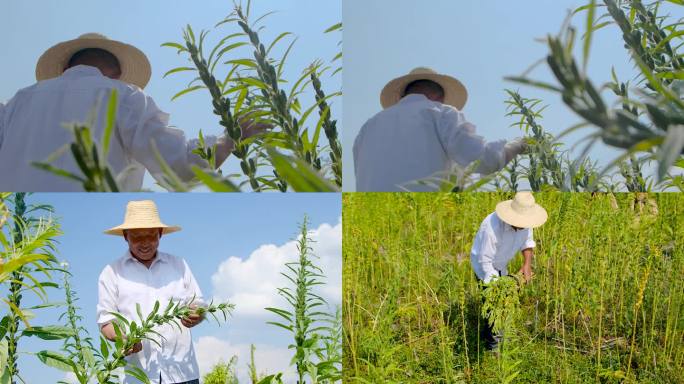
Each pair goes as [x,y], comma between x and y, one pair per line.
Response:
[526,269]
[144,126]
[464,146]
[196,293]
[106,304]
[527,251]
[484,249]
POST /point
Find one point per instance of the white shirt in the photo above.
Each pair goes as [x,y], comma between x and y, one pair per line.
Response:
[31,129]
[415,139]
[495,245]
[126,282]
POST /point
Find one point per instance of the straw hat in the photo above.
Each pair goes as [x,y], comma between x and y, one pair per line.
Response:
[455,93]
[141,214]
[135,67]
[522,211]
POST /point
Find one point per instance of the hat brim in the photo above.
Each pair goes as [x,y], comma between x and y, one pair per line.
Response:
[532,219]
[455,93]
[118,230]
[135,67]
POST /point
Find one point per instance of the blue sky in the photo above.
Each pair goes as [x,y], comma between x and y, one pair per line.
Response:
[29,27]
[234,244]
[479,42]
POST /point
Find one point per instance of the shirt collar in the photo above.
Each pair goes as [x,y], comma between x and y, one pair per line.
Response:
[413,98]
[160,258]
[82,71]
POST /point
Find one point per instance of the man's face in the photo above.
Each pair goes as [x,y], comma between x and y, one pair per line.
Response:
[143,242]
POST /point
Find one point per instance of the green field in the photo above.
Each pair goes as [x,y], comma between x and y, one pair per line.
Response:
[606,303]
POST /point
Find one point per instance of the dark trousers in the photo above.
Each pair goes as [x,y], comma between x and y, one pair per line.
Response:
[487,331]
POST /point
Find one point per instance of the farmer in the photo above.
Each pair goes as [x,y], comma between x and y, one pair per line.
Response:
[420,133]
[144,275]
[501,235]
[75,79]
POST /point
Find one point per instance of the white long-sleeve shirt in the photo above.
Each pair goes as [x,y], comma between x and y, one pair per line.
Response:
[32,128]
[495,244]
[415,139]
[126,282]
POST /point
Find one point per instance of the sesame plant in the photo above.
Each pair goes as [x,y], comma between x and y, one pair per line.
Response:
[647,117]
[26,257]
[501,308]
[253,89]
[605,303]
[316,333]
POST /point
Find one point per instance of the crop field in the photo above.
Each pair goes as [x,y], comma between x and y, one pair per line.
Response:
[605,304]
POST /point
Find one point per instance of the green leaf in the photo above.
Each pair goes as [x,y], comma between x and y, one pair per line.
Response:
[175,45]
[104,348]
[49,332]
[56,360]
[244,62]
[137,373]
[179,69]
[214,183]
[3,328]
[186,91]
[299,175]
[335,27]
[109,127]
[589,35]
[670,150]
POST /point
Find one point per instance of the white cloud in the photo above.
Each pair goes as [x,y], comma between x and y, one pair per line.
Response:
[251,283]
[268,359]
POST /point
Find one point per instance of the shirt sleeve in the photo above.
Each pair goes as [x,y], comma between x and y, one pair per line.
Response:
[192,287]
[143,123]
[529,242]
[484,248]
[464,146]
[106,296]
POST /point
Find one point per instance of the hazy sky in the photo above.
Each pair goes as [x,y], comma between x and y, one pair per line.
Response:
[235,245]
[29,27]
[478,42]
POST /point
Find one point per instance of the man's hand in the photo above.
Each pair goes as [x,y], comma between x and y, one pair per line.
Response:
[250,127]
[526,272]
[137,347]
[109,333]
[514,147]
[192,319]
[225,145]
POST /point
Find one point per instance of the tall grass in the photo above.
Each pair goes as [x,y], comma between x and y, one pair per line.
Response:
[606,303]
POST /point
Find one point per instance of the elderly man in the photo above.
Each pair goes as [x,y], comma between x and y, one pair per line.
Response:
[501,235]
[142,276]
[420,134]
[76,78]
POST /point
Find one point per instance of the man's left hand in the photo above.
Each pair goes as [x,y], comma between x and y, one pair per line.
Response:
[526,272]
[192,319]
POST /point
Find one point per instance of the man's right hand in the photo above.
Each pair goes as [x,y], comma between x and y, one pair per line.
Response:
[514,147]
[137,347]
